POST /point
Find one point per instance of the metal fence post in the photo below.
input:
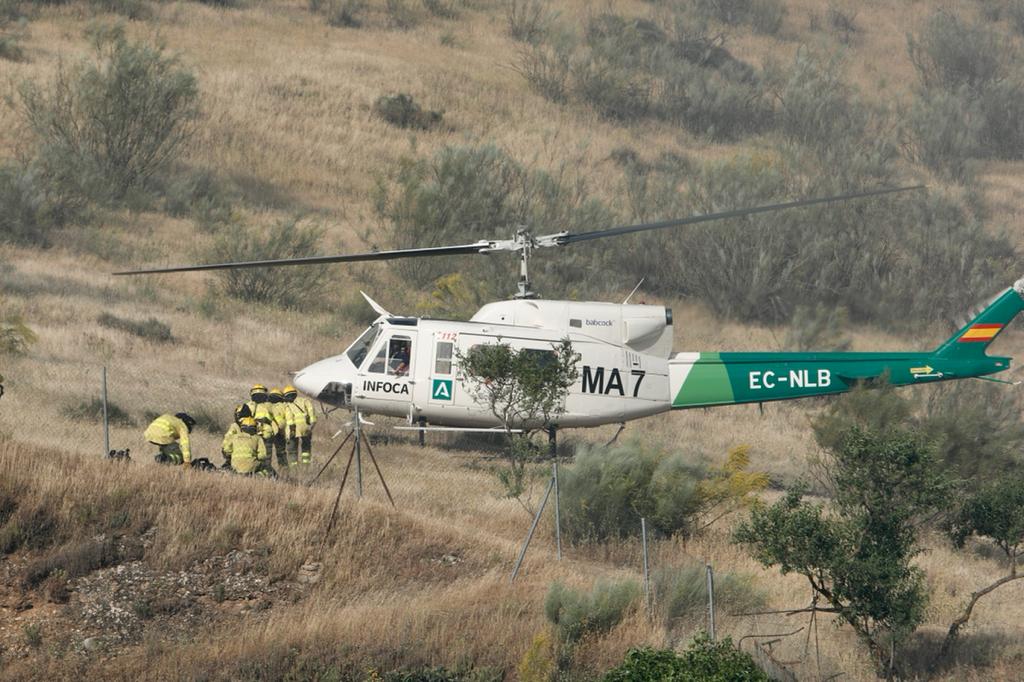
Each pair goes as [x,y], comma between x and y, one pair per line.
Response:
[558,514]
[647,571]
[106,418]
[711,603]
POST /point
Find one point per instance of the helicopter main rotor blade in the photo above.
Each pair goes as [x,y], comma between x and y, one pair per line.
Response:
[478,247]
[564,239]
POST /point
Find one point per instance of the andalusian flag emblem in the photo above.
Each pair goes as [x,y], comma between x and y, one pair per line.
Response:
[981,332]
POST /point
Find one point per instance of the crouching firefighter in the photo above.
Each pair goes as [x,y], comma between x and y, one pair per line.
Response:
[170,434]
[241,412]
[300,445]
[245,449]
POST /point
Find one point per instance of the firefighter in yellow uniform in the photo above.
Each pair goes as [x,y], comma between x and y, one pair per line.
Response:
[283,420]
[303,419]
[170,434]
[245,450]
[241,412]
[259,407]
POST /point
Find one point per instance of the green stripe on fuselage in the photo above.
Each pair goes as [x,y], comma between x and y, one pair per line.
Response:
[730,378]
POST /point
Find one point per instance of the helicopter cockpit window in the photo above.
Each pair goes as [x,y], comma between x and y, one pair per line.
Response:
[358,350]
[393,356]
[399,354]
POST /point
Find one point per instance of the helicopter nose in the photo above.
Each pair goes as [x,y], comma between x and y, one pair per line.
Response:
[326,381]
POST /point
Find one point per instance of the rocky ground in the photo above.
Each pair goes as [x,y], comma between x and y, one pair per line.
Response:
[124,604]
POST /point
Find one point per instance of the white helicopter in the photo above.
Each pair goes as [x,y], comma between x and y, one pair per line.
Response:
[407,366]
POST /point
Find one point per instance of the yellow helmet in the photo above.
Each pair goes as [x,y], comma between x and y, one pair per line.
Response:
[257,388]
[289,389]
[276,391]
[247,421]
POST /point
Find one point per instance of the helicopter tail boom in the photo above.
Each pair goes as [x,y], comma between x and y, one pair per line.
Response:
[707,379]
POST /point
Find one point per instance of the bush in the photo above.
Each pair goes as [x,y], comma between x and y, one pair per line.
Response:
[547,71]
[31,528]
[71,561]
[950,53]
[199,194]
[151,329]
[878,259]
[402,111]
[703,661]
[136,10]
[15,335]
[92,411]
[464,194]
[441,8]
[816,108]
[977,429]
[344,13]
[107,127]
[10,44]
[32,205]
[766,16]
[284,287]
[681,594]
[527,20]
[606,492]
[944,131]
[401,15]
[576,614]
[842,23]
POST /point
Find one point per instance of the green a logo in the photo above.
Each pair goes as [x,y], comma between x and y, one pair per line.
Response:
[442,389]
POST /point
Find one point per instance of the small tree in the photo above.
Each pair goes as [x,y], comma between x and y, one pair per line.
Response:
[108,126]
[525,389]
[856,554]
[994,513]
[15,336]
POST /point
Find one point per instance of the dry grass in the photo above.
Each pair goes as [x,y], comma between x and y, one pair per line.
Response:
[288,119]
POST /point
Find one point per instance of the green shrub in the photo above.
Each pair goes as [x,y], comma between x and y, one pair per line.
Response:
[199,194]
[1015,13]
[284,287]
[606,492]
[881,258]
[402,111]
[92,411]
[576,614]
[977,428]
[817,109]
[950,53]
[32,205]
[1002,108]
[944,131]
[15,335]
[703,661]
[151,329]
[681,593]
[841,22]
[106,127]
[464,194]
[731,12]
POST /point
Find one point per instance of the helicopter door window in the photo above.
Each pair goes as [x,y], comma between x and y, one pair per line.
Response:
[443,364]
[399,353]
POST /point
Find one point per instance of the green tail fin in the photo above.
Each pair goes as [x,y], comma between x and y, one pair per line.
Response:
[974,337]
